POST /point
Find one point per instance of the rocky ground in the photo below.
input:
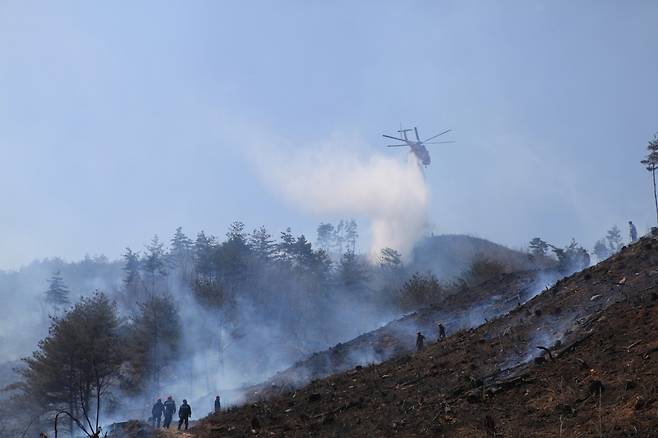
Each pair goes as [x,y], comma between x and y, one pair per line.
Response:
[594,375]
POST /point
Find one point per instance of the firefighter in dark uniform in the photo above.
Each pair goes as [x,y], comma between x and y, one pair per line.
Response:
[420,341]
[169,411]
[184,413]
[156,413]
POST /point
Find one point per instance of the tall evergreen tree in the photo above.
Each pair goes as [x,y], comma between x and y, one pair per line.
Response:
[153,343]
[231,259]
[325,234]
[351,234]
[154,263]
[236,233]
[601,250]
[303,255]
[285,249]
[615,241]
[339,238]
[538,247]
[651,164]
[57,293]
[352,272]
[132,281]
[204,248]
[180,254]
[261,243]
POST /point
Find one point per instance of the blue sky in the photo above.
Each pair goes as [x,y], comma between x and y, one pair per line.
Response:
[125,119]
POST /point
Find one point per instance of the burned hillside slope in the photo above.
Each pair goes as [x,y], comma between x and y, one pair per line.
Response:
[595,373]
[467,309]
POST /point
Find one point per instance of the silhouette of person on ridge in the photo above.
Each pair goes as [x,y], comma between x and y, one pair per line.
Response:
[420,341]
[169,411]
[156,412]
[184,413]
[442,332]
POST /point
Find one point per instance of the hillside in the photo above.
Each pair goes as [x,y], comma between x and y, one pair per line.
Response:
[467,309]
[600,326]
[449,255]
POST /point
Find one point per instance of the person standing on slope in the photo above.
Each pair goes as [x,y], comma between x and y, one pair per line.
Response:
[156,412]
[218,404]
[184,413]
[169,411]
[442,332]
[420,341]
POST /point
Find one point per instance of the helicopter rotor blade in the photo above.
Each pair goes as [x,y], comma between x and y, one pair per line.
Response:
[440,142]
[397,145]
[444,132]
[394,138]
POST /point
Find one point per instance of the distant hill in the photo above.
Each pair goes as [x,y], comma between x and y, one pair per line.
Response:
[449,255]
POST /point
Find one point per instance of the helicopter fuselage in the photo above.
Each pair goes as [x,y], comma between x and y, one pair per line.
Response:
[421,152]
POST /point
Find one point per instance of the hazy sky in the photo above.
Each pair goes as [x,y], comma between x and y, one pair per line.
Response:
[119,120]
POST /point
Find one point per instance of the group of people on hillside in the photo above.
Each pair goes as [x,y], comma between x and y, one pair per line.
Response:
[168,409]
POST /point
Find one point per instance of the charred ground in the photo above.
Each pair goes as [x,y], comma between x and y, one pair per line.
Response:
[600,326]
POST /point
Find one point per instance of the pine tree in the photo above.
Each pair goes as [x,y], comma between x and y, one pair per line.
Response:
[132,281]
[303,255]
[261,243]
[180,254]
[76,366]
[232,257]
[650,162]
[601,250]
[204,248]
[57,293]
[614,239]
[538,247]
[324,236]
[339,238]
[154,260]
[154,338]
[236,233]
[352,272]
[351,234]
[285,249]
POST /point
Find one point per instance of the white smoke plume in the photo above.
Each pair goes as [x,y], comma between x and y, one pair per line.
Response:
[333,180]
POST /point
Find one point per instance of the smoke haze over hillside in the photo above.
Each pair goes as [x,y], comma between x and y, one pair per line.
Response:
[107,137]
[331,179]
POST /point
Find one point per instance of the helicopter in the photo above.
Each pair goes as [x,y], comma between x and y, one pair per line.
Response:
[418,146]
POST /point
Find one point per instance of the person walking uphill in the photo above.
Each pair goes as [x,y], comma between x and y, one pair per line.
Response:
[169,411]
[184,413]
[156,412]
[442,332]
[420,341]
